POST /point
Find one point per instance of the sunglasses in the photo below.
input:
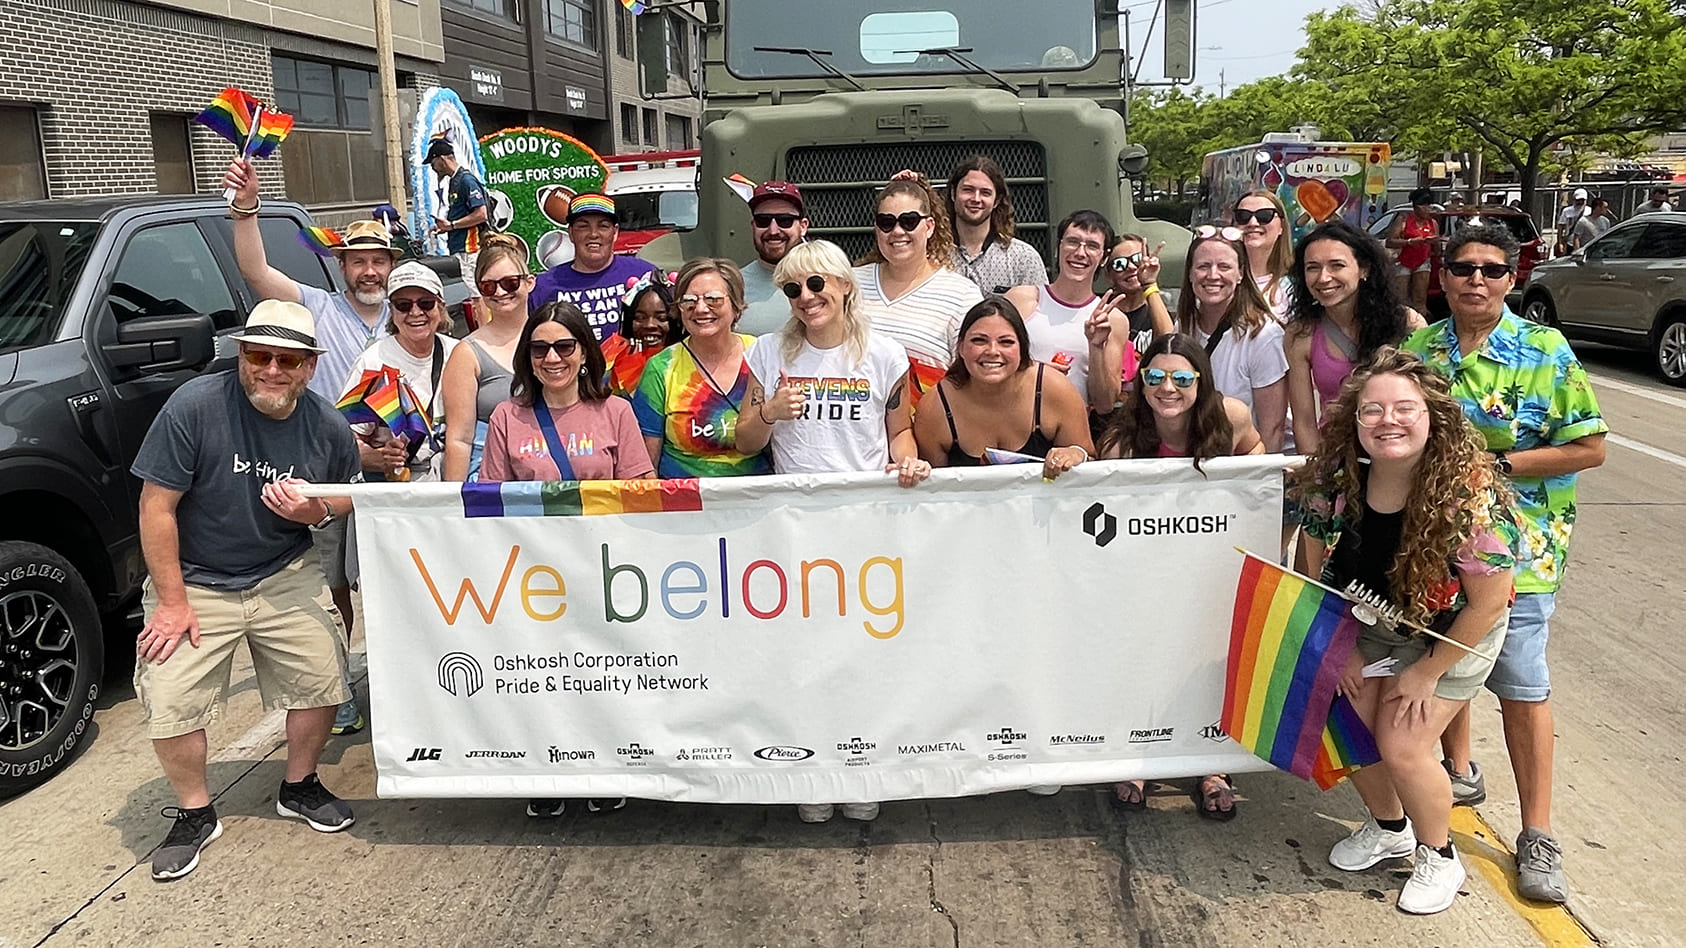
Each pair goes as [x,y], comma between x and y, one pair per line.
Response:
[815,284]
[1128,261]
[1263,216]
[505,285]
[711,300]
[765,221]
[261,359]
[1207,232]
[907,220]
[1405,414]
[404,306]
[539,349]
[1492,271]
[1181,378]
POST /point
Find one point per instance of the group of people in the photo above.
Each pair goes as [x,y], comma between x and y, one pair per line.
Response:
[1439,472]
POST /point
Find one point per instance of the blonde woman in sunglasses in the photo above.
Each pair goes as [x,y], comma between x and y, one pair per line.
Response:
[478,375]
[1263,222]
[1222,309]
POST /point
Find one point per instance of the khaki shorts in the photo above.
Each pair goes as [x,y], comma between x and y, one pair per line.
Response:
[288,622]
[1461,681]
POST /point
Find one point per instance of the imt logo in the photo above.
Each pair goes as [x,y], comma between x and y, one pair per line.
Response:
[424,753]
[1100,524]
[1214,732]
[460,674]
[1005,736]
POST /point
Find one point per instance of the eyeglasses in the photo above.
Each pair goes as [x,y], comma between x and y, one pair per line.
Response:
[1405,414]
[815,284]
[1181,378]
[787,221]
[1207,232]
[1078,243]
[711,300]
[539,349]
[1263,216]
[1463,269]
[506,285]
[425,305]
[907,220]
[1128,262]
[261,358]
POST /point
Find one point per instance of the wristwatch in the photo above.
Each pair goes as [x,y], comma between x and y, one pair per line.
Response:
[327,518]
[1502,462]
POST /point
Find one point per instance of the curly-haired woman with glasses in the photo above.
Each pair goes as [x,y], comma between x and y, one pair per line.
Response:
[1221,307]
[1402,498]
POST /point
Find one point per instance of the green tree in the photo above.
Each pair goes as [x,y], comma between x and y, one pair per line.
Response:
[1168,123]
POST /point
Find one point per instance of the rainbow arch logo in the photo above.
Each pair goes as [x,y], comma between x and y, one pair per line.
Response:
[460,674]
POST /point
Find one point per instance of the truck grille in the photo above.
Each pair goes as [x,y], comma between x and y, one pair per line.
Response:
[839,181]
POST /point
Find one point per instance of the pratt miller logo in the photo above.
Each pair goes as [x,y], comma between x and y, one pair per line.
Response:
[460,674]
[1005,736]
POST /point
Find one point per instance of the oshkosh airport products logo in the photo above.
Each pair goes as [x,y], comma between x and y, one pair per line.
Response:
[460,674]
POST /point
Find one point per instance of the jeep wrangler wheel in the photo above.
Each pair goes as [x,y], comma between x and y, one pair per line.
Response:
[52,653]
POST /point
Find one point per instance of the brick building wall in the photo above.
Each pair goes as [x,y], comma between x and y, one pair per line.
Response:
[623,94]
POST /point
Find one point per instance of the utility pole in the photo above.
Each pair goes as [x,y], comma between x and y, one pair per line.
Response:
[1221,86]
[389,107]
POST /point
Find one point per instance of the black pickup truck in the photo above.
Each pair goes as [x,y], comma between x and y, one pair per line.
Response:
[106,307]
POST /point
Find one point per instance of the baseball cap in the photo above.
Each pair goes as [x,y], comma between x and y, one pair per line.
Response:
[1580,194]
[591,203]
[783,190]
[413,274]
[440,148]
[282,325]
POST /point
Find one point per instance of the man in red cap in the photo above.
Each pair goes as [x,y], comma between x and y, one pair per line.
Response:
[778,221]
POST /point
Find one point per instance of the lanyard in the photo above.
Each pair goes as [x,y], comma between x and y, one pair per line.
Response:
[547,424]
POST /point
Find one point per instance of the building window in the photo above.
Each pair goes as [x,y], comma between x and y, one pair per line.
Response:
[172,155]
[629,122]
[23,172]
[678,47]
[626,40]
[652,132]
[321,95]
[572,20]
[497,8]
[678,131]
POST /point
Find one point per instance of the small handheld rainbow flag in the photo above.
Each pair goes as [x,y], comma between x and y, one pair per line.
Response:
[320,240]
[230,116]
[1289,642]
[272,131]
[382,397]
[635,7]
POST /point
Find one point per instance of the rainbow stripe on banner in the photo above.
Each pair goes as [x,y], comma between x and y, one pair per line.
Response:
[580,498]
[1289,642]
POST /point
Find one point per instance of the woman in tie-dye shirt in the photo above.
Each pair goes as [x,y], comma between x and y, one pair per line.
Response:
[688,399]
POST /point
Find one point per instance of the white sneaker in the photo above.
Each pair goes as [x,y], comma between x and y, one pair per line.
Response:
[1045,791]
[1370,844]
[814,812]
[865,812]
[1434,883]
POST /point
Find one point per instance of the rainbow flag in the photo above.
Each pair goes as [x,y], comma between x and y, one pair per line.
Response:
[272,130]
[382,397]
[634,6]
[230,116]
[579,498]
[1289,641]
[320,240]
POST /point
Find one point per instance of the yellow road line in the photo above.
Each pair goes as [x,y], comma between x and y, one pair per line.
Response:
[1479,846]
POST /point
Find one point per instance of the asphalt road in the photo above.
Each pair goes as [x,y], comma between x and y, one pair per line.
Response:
[1008,869]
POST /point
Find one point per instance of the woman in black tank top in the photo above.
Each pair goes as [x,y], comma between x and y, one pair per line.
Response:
[995,397]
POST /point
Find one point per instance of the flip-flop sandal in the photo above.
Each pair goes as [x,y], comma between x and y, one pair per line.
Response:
[1206,804]
[1139,802]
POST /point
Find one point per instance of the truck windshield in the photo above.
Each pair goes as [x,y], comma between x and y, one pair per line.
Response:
[886,37]
[40,262]
[654,210]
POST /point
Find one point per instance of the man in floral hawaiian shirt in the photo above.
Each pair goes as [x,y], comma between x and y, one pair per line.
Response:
[1524,390]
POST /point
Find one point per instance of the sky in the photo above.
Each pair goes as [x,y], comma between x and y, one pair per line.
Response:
[1255,38]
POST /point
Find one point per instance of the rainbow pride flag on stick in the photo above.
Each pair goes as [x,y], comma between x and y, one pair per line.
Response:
[1289,641]
[383,397]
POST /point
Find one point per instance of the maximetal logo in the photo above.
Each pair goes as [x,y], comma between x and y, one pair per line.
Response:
[784,752]
[1214,732]
[1005,736]
[938,747]
[635,752]
[1151,735]
[1100,524]
[460,674]
[1058,740]
[558,755]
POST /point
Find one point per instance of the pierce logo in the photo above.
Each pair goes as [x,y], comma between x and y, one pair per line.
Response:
[460,674]
[784,752]
[1099,524]
[1005,736]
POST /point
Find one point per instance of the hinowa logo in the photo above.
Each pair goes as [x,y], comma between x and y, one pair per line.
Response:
[460,674]
[1100,524]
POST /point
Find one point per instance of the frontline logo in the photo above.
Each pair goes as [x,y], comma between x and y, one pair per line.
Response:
[635,754]
[784,752]
[704,753]
[1063,740]
[1004,736]
[1151,735]
[939,747]
[1099,524]
[560,756]
[460,674]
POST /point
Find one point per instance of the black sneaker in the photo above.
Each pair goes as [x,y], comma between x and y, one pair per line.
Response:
[308,800]
[178,855]
[545,808]
[604,804]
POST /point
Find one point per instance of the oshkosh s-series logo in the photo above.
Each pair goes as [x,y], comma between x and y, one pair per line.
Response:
[460,674]
[1005,736]
[424,753]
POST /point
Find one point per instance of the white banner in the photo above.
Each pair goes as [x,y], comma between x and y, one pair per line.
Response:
[807,639]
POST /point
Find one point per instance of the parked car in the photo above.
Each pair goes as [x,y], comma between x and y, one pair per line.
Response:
[1520,225]
[106,307]
[1625,288]
[654,194]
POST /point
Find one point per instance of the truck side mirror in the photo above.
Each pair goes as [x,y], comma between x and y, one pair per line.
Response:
[163,343]
[1132,161]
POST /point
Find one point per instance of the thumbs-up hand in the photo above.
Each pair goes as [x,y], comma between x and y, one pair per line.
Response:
[787,401]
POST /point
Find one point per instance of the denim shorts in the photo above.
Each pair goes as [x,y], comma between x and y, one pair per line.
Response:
[1520,674]
[1461,682]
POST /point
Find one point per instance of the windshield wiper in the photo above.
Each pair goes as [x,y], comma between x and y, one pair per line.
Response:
[815,55]
[956,53]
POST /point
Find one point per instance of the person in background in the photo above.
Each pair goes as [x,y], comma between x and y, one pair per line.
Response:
[478,373]
[464,222]
[1221,308]
[648,325]
[1264,229]
[981,218]
[1658,202]
[1591,225]
[596,278]
[691,393]
[906,286]
[1402,499]
[1570,216]
[778,221]
[415,344]
[1414,235]
[1525,391]
[1058,314]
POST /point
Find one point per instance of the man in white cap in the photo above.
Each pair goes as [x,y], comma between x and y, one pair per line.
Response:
[1569,217]
[227,540]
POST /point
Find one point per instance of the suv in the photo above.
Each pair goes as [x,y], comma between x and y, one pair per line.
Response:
[1626,288]
[106,307]
[1450,220]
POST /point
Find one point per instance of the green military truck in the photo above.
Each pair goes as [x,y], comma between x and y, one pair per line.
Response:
[836,97]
